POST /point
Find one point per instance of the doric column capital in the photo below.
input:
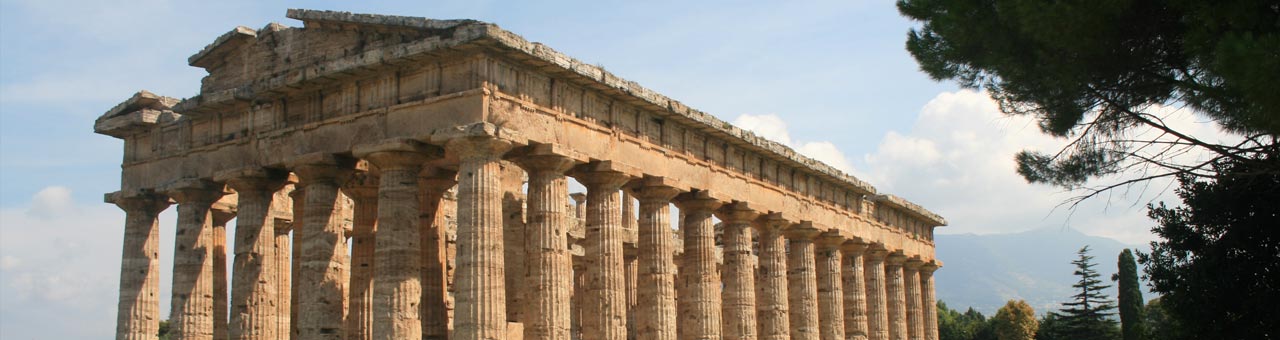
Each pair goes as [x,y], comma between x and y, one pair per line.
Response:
[477,148]
[654,189]
[397,154]
[321,167]
[578,197]
[437,180]
[930,267]
[543,158]
[737,212]
[224,209]
[802,231]
[876,251]
[603,175]
[253,179]
[195,191]
[829,241]
[913,264]
[853,247]
[699,200]
[895,259]
[771,223]
[362,187]
[140,202]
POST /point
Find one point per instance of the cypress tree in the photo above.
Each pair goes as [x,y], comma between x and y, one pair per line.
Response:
[1132,322]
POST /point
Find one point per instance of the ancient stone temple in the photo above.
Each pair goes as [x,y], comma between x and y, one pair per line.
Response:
[393,177]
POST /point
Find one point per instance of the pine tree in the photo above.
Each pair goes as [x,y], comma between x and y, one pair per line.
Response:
[1086,316]
[1131,319]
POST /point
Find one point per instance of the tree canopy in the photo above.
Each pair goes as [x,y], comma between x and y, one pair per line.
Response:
[1015,321]
[1132,322]
[1096,71]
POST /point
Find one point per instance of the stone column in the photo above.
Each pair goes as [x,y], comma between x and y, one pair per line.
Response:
[363,190]
[629,258]
[855,296]
[897,298]
[772,307]
[911,274]
[929,301]
[299,197]
[138,315]
[283,208]
[655,284]
[802,282]
[877,299]
[579,205]
[397,291]
[550,265]
[191,311]
[605,309]
[254,294]
[700,297]
[830,287]
[222,212]
[434,183]
[481,311]
[514,236]
[323,247]
[739,272]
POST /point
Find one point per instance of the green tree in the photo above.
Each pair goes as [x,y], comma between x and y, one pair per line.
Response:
[1015,321]
[970,325]
[1161,325]
[1130,298]
[1052,328]
[1097,71]
[1086,317]
[1217,262]
[164,333]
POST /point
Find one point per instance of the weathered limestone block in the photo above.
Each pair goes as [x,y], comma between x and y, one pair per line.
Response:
[138,315]
[773,309]
[830,287]
[655,284]
[739,275]
[700,296]
[802,281]
[550,264]
[191,311]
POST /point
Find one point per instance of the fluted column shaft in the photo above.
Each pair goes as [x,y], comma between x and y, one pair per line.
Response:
[802,281]
[929,301]
[254,293]
[322,246]
[877,299]
[550,266]
[138,315]
[397,291]
[739,272]
[911,274]
[655,284]
[855,296]
[700,296]
[830,288]
[435,288]
[605,309]
[363,190]
[481,311]
[283,276]
[221,213]
[772,297]
[191,310]
[897,298]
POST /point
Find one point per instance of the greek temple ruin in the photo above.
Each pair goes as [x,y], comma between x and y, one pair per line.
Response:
[390,177]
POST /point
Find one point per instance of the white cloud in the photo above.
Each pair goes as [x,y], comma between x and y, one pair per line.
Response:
[774,128]
[51,202]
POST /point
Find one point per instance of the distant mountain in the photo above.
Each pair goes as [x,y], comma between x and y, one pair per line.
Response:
[985,271]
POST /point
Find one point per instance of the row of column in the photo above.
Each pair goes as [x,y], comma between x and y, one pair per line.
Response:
[808,285]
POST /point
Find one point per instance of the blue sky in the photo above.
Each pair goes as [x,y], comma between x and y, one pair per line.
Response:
[831,79]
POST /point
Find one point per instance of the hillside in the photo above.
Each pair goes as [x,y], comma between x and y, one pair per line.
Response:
[984,271]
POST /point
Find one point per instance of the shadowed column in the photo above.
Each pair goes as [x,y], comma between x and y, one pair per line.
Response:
[699,297]
[855,296]
[929,301]
[363,190]
[481,311]
[877,299]
[322,246]
[772,305]
[254,293]
[222,212]
[550,266]
[605,306]
[911,275]
[802,282]
[830,287]
[138,315]
[191,309]
[656,317]
[739,272]
[896,296]
[433,184]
